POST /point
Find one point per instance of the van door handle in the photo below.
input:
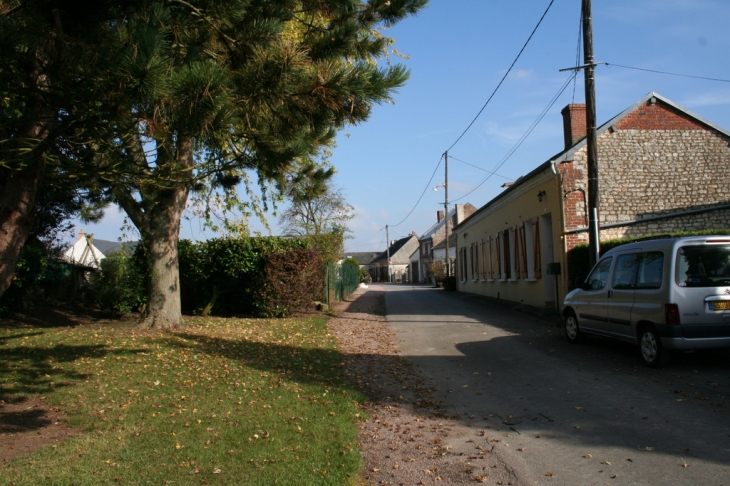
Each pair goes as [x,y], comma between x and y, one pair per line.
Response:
[610,294]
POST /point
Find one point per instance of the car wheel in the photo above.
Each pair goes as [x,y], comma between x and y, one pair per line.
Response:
[572,330]
[651,350]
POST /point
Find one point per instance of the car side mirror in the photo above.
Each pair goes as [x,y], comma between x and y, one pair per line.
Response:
[580,283]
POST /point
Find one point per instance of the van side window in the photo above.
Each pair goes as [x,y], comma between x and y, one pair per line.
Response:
[598,277]
[650,270]
[624,275]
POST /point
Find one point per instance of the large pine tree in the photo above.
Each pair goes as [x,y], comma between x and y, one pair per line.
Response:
[191,94]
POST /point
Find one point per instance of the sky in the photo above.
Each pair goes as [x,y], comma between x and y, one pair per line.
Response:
[457,52]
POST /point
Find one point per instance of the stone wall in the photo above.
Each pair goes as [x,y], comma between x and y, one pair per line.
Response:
[657,160]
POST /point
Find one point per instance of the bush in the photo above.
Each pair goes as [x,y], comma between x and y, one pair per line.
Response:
[288,282]
[365,277]
[449,283]
[120,286]
[438,272]
[226,274]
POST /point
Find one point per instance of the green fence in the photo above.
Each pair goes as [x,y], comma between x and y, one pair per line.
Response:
[340,281]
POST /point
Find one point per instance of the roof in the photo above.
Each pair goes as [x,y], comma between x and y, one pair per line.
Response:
[396,247]
[569,152]
[83,252]
[362,257]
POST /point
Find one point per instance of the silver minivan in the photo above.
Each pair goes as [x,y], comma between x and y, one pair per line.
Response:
[662,294]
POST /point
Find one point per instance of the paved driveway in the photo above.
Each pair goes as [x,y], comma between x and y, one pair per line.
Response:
[567,414]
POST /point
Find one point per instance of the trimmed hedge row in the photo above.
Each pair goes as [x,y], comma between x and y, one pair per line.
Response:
[268,277]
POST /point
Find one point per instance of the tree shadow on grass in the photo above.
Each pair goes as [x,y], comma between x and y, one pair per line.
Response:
[304,365]
[34,369]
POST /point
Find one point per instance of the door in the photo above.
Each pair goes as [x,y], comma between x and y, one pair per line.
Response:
[621,293]
[592,302]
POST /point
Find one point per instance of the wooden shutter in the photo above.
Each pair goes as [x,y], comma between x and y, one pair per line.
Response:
[498,243]
[536,257]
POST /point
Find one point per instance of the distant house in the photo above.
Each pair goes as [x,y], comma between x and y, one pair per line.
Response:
[432,243]
[364,258]
[661,169]
[89,252]
[400,252]
[84,253]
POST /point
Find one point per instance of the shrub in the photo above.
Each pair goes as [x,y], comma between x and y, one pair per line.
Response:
[438,271]
[288,282]
[365,277]
[225,274]
[120,286]
[449,283]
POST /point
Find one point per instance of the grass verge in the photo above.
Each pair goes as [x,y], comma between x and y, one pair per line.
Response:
[227,401]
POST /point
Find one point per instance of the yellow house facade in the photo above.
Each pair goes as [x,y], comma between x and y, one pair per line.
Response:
[507,247]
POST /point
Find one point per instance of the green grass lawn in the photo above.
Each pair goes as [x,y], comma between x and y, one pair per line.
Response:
[227,401]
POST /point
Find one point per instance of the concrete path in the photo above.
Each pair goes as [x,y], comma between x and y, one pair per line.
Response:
[567,414]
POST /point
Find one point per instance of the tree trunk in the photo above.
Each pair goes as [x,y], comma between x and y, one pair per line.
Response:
[18,194]
[161,237]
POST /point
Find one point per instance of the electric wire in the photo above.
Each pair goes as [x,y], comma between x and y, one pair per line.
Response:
[524,136]
[451,157]
[428,184]
[577,50]
[669,74]
[503,77]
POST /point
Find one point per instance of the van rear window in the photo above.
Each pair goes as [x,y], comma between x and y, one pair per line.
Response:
[703,266]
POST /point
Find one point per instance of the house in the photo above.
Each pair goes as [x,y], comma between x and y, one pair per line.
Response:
[661,168]
[84,253]
[432,244]
[363,258]
[397,269]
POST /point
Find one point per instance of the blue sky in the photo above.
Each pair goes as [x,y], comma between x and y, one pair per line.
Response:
[459,50]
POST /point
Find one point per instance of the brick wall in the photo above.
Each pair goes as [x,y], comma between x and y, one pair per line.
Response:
[655,161]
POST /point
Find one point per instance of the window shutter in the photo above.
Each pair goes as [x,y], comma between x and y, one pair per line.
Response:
[536,248]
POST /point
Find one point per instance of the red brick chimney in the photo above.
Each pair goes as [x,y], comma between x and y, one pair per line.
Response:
[574,123]
[439,216]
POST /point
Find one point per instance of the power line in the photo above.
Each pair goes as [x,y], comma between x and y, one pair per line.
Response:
[503,77]
[524,136]
[428,184]
[670,74]
[477,167]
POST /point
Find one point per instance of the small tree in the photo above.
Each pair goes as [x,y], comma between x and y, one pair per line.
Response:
[437,269]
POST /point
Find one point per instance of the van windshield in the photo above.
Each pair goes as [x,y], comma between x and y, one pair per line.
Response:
[703,266]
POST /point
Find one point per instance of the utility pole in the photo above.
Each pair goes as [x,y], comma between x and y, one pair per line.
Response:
[387,249]
[590,89]
[446,210]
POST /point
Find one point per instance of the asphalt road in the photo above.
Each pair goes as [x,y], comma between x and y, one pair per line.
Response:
[561,413]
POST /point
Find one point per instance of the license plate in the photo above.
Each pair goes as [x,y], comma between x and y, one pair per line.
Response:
[721,305]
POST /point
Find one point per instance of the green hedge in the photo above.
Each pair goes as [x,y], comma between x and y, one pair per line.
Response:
[578,258]
[233,275]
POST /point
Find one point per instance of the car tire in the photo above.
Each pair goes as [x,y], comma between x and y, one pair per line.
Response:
[651,351]
[572,329]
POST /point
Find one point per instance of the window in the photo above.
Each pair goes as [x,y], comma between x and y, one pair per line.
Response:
[624,275]
[702,266]
[651,270]
[536,257]
[597,279]
[462,263]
